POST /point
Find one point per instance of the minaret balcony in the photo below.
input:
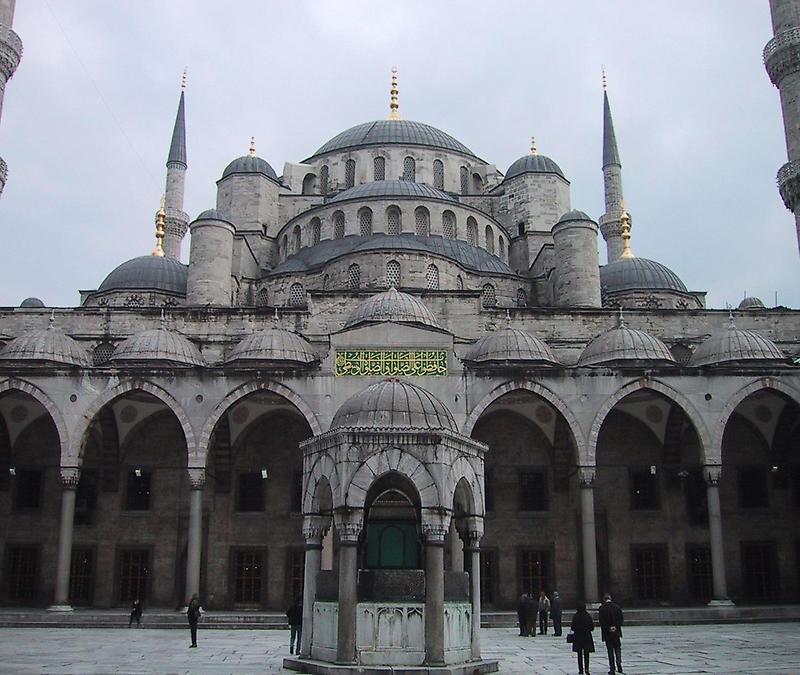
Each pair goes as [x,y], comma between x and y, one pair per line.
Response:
[3,174]
[782,55]
[10,51]
[789,184]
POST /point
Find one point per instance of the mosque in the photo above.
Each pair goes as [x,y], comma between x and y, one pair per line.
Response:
[397,357]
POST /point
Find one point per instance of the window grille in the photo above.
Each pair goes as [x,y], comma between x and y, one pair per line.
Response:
[338,225]
[422,221]
[248,577]
[449,225]
[522,298]
[393,274]
[409,169]
[472,231]
[489,239]
[535,568]
[353,276]
[393,221]
[323,180]
[489,297]
[438,174]
[379,168]
[350,173]
[262,298]
[297,296]
[134,565]
[296,239]
[432,278]
[102,353]
[650,582]
[365,222]
[464,176]
[316,231]
[134,301]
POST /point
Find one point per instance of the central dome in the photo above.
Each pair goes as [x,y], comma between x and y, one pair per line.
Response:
[148,272]
[393,132]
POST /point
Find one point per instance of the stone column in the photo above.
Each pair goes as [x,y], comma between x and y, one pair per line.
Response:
[349,528]
[314,529]
[713,474]
[474,550]
[69,484]
[586,476]
[194,548]
[434,592]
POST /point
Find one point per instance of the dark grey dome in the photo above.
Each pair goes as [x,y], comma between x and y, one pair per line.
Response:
[394,306]
[393,132]
[751,303]
[29,303]
[468,256]
[633,274]
[250,164]
[534,164]
[47,345]
[574,215]
[623,344]
[273,344]
[391,188]
[512,346]
[148,272]
[394,404]
[735,346]
[159,345]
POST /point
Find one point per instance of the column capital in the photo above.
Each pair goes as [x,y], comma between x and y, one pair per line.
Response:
[70,477]
[712,473]
[435,526]
[349,524]
[197,478]
[474,528]
[315,528]
[586,475]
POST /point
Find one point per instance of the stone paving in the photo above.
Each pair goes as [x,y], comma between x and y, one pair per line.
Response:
[733,648]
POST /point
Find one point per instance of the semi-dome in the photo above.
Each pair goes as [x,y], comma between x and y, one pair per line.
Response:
[48,345]
[158,345]
[751,303]
[272,345]
[394,404]
[30,303]
[391,188]
[393,306]
[534,164]
[512,346]
[250,164]
[393,132]
[634,274]
[148,272]
[734,346]
[622,344]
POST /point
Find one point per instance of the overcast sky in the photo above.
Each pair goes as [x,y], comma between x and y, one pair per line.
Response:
[88,116]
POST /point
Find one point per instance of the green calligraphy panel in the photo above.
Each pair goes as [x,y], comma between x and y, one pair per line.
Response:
[391,363]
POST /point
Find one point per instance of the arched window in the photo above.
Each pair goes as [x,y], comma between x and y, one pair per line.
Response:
[365,221]
[297,296]
[422,222]
[463,174]
[438,174]
[472,231]
[521,229]
[501,247]
[353,276]
[316,231]
[393,274]
[522,298]
[490,239]
[379,168]
[432,278]
[393,223]
[409,169]
[449,225]
[349,173]
[488,297]
[309,184]
[323,180]
[285,246]
[296,239]
[477,183]
[338,225]
[460,282]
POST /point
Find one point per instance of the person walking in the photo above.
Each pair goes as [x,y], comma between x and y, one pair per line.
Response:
[295,617]
[555,613]
[611,619]
[136,613]
[582,640]
[193,614]
[544,610]
[523,623]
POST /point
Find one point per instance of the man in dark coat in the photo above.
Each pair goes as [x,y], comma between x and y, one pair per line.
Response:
[294,615]
[523,622]
[611,620]
[193,615]
[136,613]
[555,613]
[531,612]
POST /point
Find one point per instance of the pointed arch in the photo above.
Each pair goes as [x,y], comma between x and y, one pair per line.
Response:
[462,471]
[323,468]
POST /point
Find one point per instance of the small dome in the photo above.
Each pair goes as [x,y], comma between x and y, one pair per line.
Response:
[273,344]
[391,188]
[512,346]
[158,344]
[393,306]
[211,214]
[393,404]
[623,344]
[634,274]
[30,303]
[250,164]
[569,216]
[148,272]
[49,345]
[751,303]
[534,164]
[734,346]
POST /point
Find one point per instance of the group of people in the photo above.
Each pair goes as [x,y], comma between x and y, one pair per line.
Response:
[530,609]
[193,612]
[611,619]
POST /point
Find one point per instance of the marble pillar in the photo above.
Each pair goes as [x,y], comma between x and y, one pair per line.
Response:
[349,532]
[434,592]
[194,548]
[586,476]
[69,486]
[314,530]
[713,474]
[474,551]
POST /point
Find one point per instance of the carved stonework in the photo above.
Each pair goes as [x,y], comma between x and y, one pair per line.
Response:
[713,474]
[586,476]
[197,478]
[434,532]
[70,476]
[349,525]
[782,55]
[315,528]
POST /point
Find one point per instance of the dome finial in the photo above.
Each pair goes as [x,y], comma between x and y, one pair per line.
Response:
[275,316]
[534,152]
[625,233]
[51,324]
[393,104]
[252,150]
[162,322]
[183,79]
[605,79]
[620,319]
[731,325]
[158,251]
[508,318]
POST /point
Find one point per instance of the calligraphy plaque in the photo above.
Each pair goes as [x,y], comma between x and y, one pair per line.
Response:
[391,363]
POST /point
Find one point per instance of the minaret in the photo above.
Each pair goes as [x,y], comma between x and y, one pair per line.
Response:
[610,222]
[782,60]
[177,222]
[10,55]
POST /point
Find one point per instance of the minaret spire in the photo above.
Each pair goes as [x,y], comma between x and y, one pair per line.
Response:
[611,221]
[177,148]
[394,106]
[11,51]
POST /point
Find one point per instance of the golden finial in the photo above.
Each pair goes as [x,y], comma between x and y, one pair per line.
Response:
[534,152]
[393,105]
[158,251]
[252,151]
[625,231]
[183,79]
[605,80]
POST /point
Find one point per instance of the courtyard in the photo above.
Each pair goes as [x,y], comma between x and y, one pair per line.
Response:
[730,648]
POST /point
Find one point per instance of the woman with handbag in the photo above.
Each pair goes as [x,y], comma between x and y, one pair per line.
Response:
[581,634]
